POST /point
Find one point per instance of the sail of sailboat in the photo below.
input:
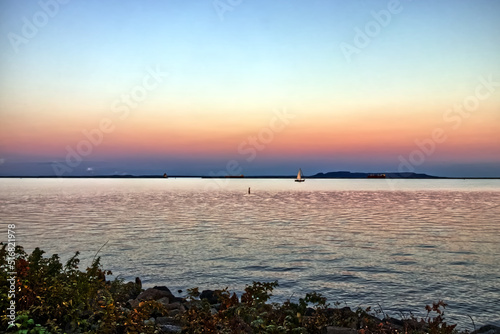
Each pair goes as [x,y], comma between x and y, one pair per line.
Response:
[299,176]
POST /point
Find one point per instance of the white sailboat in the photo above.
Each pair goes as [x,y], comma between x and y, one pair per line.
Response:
[299,176]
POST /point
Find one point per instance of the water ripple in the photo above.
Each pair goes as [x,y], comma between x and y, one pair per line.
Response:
[351,241]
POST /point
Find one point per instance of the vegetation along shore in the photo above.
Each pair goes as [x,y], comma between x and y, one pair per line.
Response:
[43,295]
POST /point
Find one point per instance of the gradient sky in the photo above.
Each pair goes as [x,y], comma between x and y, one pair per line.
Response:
[224,72]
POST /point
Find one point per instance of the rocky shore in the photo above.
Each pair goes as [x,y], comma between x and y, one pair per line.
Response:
[353,321]
[47,296]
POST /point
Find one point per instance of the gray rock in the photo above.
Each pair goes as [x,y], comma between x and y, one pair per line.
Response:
[171,328]
[488,329]
[164,300]
[162,288]
[173,306]
[155,294]
[134,303]
[396,322]
[210,295]
[171,296]
[168,325]
[340,330]
[164,321]
[173,312]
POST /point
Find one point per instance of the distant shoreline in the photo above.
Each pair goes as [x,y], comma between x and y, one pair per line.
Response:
[240,178]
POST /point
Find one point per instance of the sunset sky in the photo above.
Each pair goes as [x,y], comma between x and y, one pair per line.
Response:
[203,87]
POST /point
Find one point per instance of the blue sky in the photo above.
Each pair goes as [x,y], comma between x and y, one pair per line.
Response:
[228,71]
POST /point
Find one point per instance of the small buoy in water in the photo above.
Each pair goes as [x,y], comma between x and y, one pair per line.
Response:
[249,190]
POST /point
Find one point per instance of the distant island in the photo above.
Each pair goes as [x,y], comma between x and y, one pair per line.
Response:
[359,175]
[347,175]
[328,175]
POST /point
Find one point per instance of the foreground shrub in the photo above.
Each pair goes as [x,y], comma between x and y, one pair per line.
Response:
[56,298]
[52,297]
[312,314]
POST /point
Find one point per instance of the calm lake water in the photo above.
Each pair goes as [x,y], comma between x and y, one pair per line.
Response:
[401,243]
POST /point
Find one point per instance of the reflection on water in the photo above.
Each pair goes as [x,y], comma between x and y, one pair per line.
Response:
[361,242]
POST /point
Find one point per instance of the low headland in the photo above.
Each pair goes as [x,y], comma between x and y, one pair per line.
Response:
[327,175]
[47,296]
